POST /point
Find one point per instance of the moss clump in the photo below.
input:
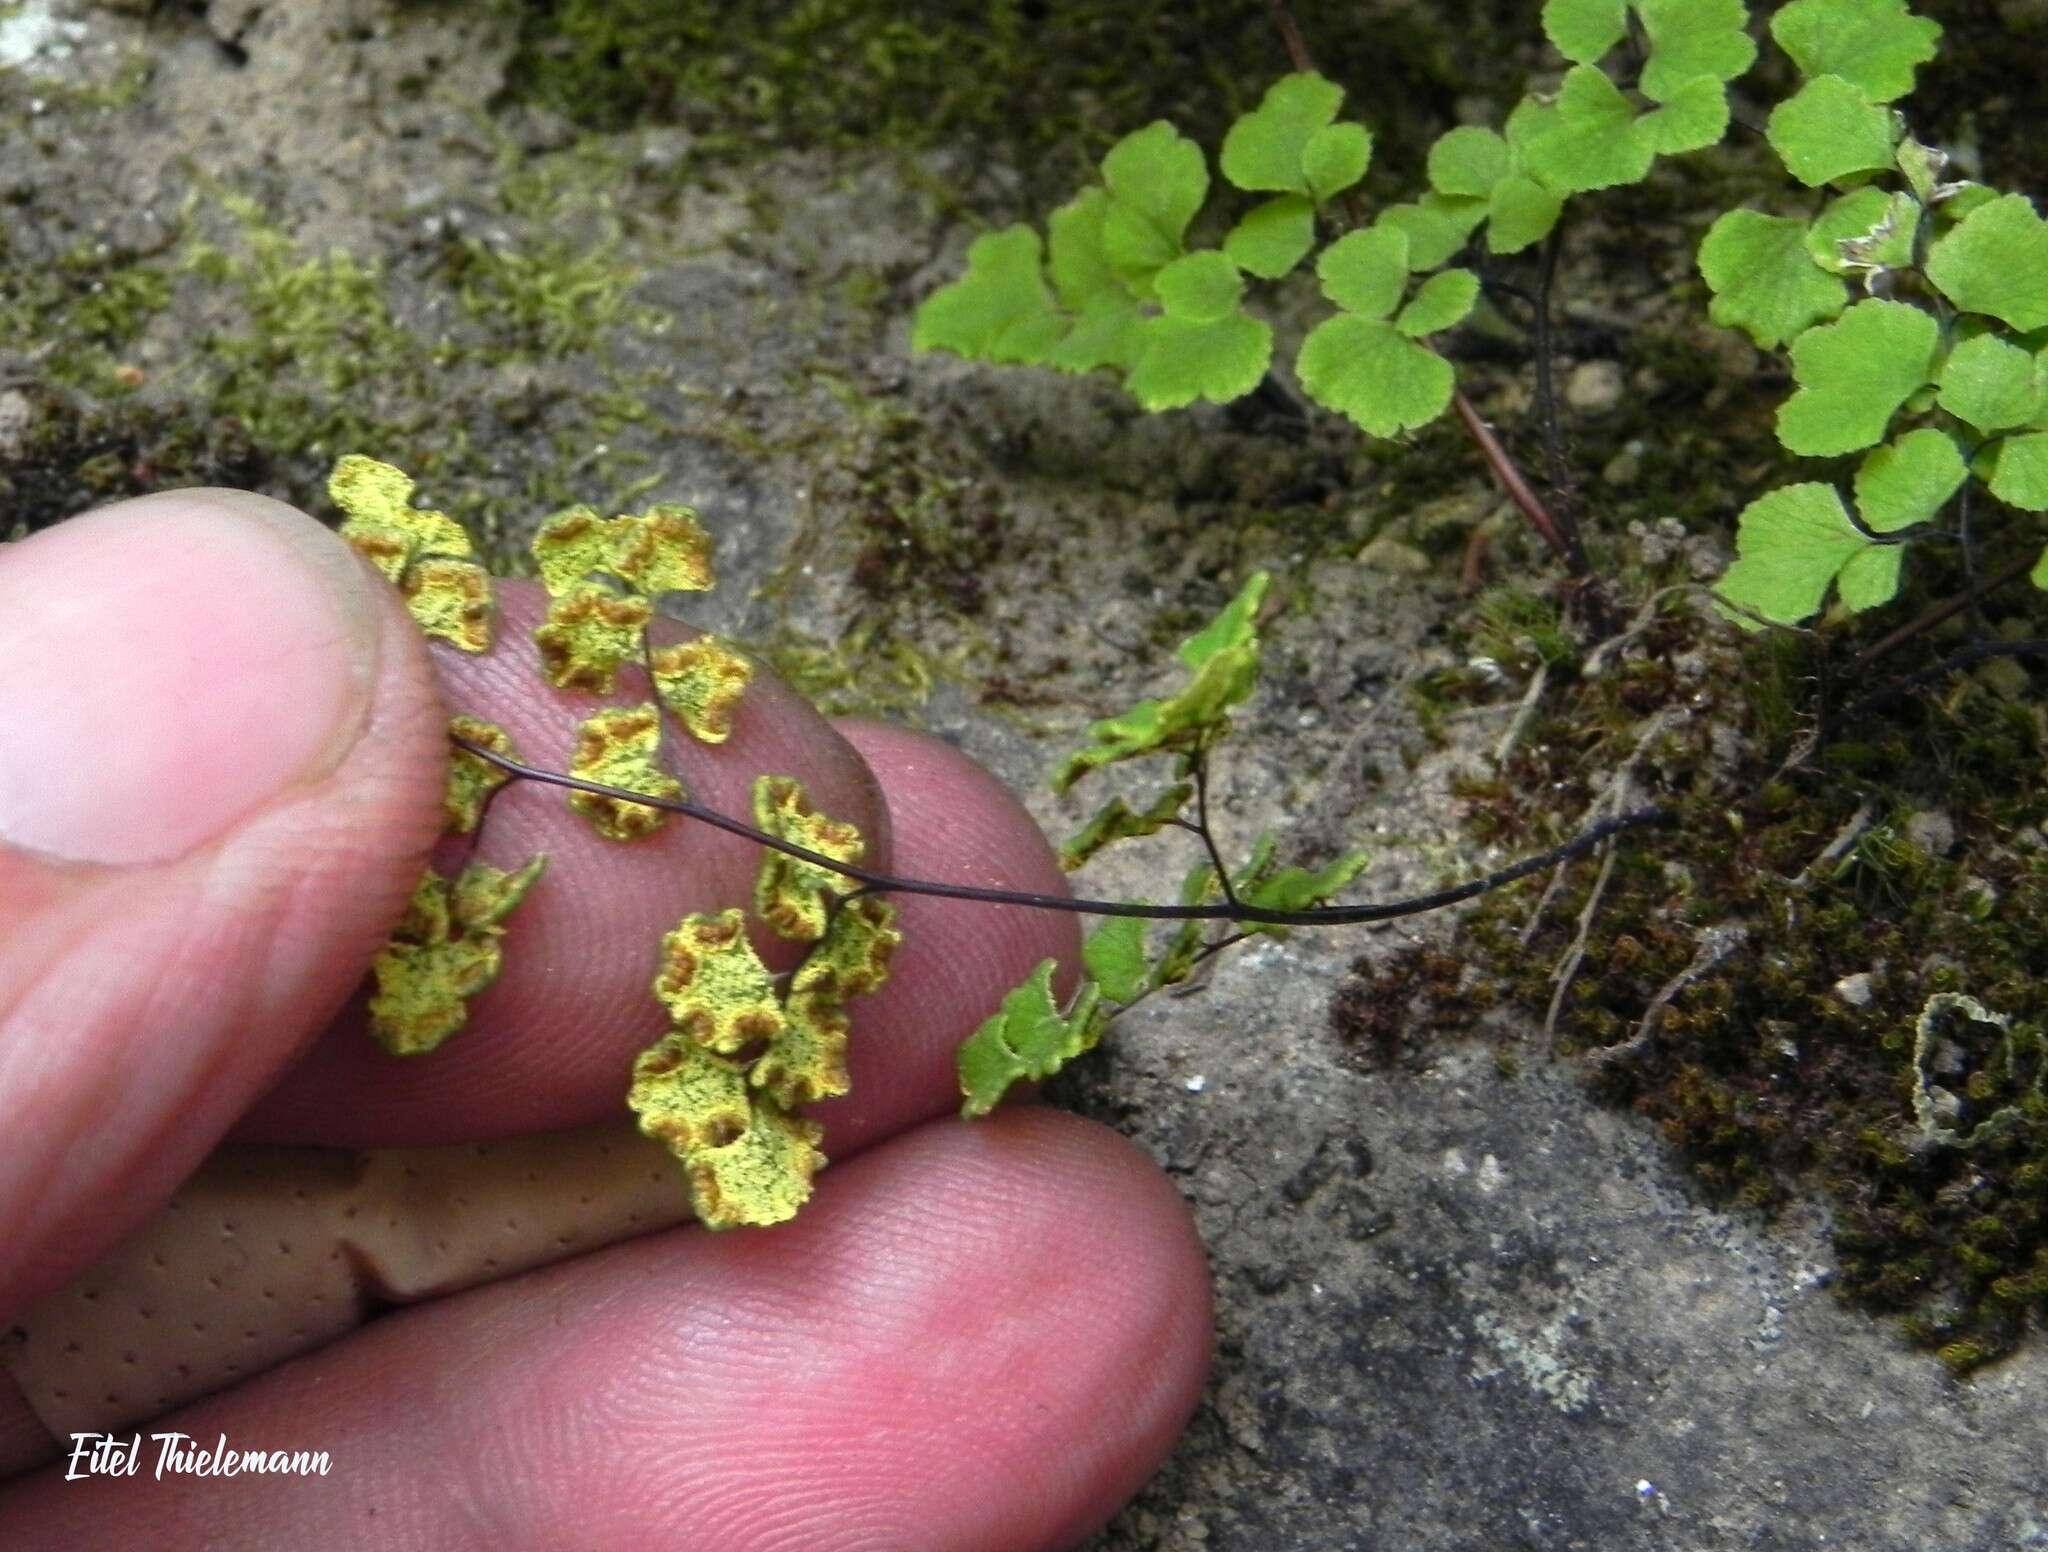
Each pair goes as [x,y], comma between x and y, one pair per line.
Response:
[77,315]
[1048,81]
[75,453]
[1908,859]
[914,534]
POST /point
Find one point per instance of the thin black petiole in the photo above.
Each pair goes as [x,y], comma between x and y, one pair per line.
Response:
[1199,762]
[874,881]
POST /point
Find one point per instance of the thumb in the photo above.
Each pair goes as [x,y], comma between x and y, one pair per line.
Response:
[221,757]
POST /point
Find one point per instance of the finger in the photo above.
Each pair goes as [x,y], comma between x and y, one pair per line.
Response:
[552,1044]
[273,1251]
[980,1337]
[954,824]
[220,755]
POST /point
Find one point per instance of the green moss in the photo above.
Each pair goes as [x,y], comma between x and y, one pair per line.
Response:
[1766,1081]
[319,354]
[77,315]
[914,533]
[1045,84]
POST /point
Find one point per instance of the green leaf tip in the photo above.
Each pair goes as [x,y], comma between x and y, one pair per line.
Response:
[1591,141]
[1199,287]
[1299,889]
[1442,301]
[1157,179]
[1366,272]
[1374,375]
[1795,542]
[2019,474]
[1764,278]
[1583,30]
[1116,820]
[1290,143]
[1029,1037]
[1829,130]
[1993,385]
[1180,361]
[1875,45]
[1854,374]
[443,952]
[1273,236]
[999,310]
[1223,657]
[1696,46]
[1995,262]
[1114,957]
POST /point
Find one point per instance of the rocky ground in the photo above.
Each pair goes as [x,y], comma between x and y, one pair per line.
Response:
[1462,1304]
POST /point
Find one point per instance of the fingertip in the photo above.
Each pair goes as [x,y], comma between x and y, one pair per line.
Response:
[151,988]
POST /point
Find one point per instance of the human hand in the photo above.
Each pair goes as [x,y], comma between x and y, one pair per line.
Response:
[221,761]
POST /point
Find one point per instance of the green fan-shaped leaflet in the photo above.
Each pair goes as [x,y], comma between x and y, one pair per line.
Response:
[1223,659]
[999,310]
[1157,180]
[1583,30]
[1829,130]
[1874,44]
[1764,278]
[1995,262]
[1853,376]
[1590,140]
[1993,384]
[1695,47]
[1030,1036]
[1290,143]
[1374,375]
[1797,541]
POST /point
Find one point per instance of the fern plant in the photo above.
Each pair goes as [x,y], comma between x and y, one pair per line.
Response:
[1937,374]
[1947,340]
[747,1051]
[1117,284]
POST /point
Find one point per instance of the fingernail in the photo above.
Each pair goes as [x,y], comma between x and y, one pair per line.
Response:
[172,665]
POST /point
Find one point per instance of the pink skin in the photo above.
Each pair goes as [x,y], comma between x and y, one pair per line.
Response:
[977,1337]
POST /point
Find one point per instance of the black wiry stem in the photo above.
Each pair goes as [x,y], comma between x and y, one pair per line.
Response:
[1200,762]
[873,881]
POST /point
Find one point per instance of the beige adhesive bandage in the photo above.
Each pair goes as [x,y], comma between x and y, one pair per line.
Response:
[267,1253]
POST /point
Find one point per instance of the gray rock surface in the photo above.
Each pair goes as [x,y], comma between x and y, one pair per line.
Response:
[1457,1310]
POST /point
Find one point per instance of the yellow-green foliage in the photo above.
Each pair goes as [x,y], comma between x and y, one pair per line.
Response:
[722,1089]
[425,553]
[443,952]
[619,747]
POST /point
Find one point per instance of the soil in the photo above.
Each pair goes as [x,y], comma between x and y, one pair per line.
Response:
[1463,1302]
